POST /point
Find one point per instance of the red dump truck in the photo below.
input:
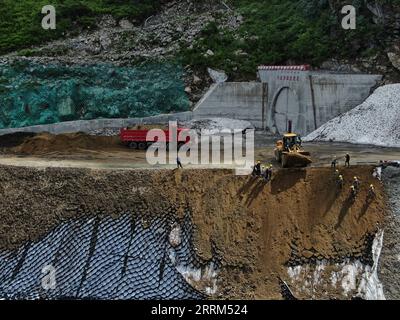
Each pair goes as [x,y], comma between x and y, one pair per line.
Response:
[137,138]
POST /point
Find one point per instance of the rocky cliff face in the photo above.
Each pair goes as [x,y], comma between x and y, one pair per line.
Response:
[384,18]
[123,43]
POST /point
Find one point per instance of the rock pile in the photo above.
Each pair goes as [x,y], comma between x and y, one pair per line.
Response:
[375,122]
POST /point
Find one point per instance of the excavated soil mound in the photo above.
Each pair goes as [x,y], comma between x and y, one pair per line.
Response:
[14,139]
[256,230]
[45,143]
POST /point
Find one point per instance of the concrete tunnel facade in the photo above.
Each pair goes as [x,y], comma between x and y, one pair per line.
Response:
[307,98]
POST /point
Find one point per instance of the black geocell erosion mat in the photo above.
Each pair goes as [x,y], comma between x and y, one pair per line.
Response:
[105,258]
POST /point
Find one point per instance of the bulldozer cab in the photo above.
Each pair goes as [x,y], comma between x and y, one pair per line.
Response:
[291,142]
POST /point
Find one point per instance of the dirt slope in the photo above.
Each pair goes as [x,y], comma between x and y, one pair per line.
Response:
[254,227]
[14,139]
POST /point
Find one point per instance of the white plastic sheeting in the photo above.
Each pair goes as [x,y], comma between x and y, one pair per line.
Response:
[351,278]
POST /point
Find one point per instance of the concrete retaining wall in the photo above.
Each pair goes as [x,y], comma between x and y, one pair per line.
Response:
[234,100]
[336,94]
[91,125]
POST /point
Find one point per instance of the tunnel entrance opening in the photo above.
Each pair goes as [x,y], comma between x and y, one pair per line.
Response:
[287,108]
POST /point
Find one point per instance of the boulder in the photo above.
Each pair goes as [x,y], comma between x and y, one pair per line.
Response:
[394,57]
[196,79]
[217,76]
[188,90]
[125,24]
[209,53]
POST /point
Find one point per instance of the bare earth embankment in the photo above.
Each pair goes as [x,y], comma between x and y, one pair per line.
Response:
[256,230]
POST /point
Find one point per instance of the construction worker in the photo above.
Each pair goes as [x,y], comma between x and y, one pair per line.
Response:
[179,163]
[371,192]
[347,163]
[353,192]
[334,163]
[258,168]
[340,181]
[357,183]
[264,172]
[269,172]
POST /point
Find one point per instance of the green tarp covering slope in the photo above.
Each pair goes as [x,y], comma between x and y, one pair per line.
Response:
[32,94]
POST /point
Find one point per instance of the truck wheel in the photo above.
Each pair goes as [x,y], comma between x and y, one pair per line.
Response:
[133,145]
[142,146]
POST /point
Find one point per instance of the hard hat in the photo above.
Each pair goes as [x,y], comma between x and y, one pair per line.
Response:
[352,187]
[371,186]
[258,162]
[355,178]
[341,177]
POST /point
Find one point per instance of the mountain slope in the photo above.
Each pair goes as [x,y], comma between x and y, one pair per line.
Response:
[235,36]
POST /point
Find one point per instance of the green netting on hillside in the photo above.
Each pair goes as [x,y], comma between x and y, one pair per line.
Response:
[32,94]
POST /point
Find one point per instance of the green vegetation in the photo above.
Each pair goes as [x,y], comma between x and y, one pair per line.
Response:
[284,31]
[273,31]
[20,26]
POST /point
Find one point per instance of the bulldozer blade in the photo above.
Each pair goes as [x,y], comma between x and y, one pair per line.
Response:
[293,160]
[305,153]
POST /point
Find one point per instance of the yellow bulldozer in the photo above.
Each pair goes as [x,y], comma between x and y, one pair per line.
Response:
[289,152]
